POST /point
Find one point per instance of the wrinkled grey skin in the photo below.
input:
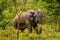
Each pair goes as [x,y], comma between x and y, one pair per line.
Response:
[28,20]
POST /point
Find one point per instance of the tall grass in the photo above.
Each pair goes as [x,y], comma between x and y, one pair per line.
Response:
[47,34]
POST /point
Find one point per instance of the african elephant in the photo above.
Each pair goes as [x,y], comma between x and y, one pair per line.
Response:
[28,20]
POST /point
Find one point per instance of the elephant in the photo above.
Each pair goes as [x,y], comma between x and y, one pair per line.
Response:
[28,19]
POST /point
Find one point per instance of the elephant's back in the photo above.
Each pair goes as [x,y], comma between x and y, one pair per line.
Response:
[24,16]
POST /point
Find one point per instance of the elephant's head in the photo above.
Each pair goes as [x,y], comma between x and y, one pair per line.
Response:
[39,17]
[36,16]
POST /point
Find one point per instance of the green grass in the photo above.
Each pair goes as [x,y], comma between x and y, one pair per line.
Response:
[47,34]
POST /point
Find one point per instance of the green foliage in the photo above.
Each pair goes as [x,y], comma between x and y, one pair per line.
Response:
[50,12]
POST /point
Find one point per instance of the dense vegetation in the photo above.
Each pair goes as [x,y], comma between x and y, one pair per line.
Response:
[50,12]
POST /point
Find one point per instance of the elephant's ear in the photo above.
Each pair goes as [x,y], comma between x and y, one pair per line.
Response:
[31,18]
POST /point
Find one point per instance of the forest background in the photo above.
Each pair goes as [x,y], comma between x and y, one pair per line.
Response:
[50,12]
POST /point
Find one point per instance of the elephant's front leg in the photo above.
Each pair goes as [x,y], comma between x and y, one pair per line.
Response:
[34,28]
[39,29]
